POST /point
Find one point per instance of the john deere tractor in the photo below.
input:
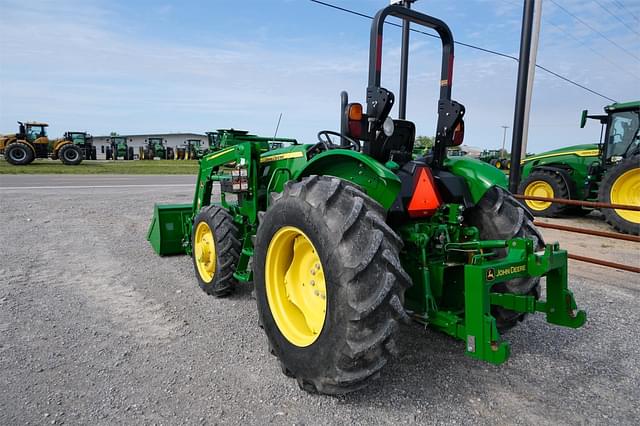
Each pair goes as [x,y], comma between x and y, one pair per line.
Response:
[608,172]
[84,141]
[31,142]
[348,237]
[156,148]
[496,157]
[119,149]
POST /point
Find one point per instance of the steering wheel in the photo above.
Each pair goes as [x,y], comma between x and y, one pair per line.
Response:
[324,137]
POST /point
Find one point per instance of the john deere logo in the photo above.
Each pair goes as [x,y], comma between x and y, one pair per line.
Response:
[491,274]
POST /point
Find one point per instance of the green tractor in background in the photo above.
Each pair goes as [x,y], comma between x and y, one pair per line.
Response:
[84,141]
[119,149]
[496,157]
[608,172]
[347,237]
[31,142]
[156,148]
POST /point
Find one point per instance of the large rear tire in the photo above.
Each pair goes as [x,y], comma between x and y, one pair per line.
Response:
[499,216]
[18,153]
[621,185]
[216,250]
[70,155]
[542,183]
[329,284]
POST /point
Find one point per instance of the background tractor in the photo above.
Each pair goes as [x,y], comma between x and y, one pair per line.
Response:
[84,141]
[608,172]
[496,157]
[31,142]
[347,237]
[119,149]
[156,148]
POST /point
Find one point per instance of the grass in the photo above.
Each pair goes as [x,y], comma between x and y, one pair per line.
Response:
[99,167]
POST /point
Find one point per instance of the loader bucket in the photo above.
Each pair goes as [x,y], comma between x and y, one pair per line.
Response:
[169,228]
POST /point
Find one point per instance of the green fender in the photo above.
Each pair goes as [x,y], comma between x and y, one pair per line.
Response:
[375,179]
[480,176]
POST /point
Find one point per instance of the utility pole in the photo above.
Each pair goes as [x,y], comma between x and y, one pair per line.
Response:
[537,17]
[504,137]
[521,95]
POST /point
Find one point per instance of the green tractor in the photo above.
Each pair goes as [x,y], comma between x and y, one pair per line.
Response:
[608,172]
[119,149]
[225,138]
[156,148]
[495,157]
[84,141]
[347,237]
[31,142]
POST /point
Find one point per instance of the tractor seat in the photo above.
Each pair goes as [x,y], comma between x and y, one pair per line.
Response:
[399,146]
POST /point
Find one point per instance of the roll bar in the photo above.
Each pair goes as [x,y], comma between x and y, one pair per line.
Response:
[380,101]
[375,49]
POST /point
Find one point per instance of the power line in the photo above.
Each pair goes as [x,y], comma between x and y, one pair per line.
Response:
[595,30]
[615,16]
[618,67]
[482,49]
[625,8]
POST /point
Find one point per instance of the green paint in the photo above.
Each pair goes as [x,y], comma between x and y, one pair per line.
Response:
[480,176]
[376,180]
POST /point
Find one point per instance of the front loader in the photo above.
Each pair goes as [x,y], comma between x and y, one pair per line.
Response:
[347,237]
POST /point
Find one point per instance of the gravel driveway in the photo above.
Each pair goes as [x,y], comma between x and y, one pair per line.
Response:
[97,329]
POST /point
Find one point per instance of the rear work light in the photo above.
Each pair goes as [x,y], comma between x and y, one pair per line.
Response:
[425,200]
[356,120]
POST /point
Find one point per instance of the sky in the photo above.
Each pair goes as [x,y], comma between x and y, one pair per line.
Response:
[195,66]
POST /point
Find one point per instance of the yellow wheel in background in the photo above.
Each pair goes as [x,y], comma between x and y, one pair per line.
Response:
[204,252]
[626,190]
[295,286]
[538,188]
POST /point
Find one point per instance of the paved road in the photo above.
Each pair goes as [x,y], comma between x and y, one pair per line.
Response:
[93,181]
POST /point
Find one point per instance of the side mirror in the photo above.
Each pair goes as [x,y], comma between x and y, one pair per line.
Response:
[583,118]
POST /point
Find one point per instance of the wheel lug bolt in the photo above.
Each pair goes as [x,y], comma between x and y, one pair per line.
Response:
[317,293]
[313,272]
[313,282]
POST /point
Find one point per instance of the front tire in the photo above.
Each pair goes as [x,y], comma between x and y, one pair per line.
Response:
[18,154]
[329,284]
[70,155]
[216,250]
[499,216]
[621,185]
[542,183]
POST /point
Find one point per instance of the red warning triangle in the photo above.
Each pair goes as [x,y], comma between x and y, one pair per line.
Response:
[425,200]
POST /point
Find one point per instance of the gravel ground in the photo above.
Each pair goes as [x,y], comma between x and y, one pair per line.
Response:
[95,328]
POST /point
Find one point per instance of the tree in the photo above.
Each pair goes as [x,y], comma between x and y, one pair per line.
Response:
[424,142]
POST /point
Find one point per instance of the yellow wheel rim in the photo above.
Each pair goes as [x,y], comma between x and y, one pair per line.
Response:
[295,286]
[626,190]
[205,252]
[538,188]
[498,164]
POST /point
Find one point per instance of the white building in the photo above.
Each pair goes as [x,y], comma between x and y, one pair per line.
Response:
[136,141]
